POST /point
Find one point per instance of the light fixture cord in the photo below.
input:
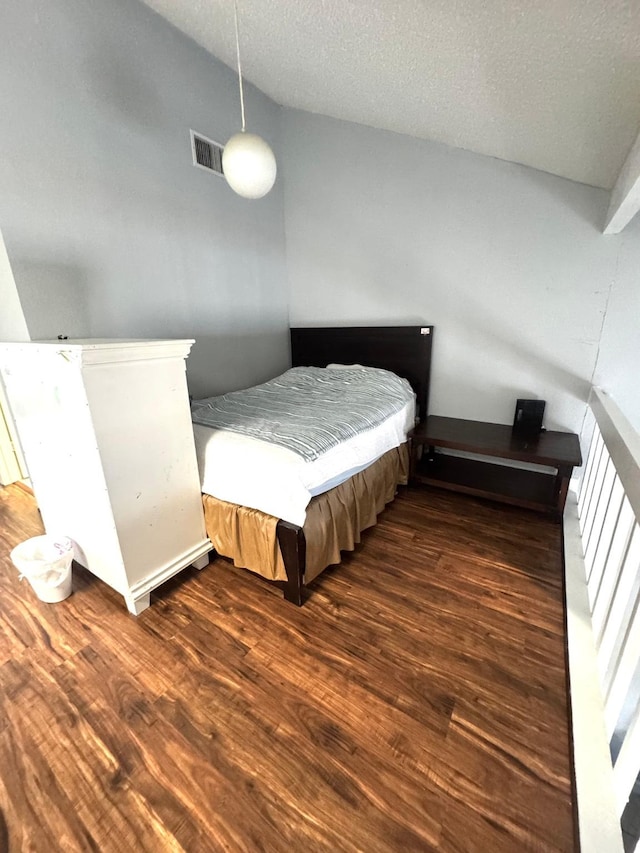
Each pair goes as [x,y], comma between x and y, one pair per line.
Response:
[235,12]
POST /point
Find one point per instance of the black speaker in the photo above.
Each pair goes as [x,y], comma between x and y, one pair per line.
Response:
[527,420]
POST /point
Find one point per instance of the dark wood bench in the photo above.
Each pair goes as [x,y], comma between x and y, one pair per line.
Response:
[537,490]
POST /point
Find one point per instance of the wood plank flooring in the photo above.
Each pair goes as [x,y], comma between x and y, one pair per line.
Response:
[417,702]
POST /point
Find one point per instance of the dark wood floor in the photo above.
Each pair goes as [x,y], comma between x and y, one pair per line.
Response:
[416,702]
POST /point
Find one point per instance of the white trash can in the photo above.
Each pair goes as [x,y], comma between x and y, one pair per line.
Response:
[45,561]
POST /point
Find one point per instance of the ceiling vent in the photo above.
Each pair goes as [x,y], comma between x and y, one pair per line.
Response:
[207,154]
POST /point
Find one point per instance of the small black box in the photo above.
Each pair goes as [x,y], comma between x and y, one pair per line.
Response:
[528,417]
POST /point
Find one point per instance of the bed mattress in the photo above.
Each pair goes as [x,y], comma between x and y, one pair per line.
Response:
[279,482]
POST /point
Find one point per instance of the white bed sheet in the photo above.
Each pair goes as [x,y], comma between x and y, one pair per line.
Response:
[277,481]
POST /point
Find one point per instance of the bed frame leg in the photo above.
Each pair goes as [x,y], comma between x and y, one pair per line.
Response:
[293,548]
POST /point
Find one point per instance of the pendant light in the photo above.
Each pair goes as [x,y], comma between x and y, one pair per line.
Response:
[248,162]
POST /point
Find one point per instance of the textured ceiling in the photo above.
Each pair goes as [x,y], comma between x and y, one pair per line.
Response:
[554,84]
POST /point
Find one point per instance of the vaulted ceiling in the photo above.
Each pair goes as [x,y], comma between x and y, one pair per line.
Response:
[553,84]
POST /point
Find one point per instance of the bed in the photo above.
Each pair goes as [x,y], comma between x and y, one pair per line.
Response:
[267,533]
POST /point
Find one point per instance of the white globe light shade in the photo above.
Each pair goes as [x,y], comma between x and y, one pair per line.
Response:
[249,165]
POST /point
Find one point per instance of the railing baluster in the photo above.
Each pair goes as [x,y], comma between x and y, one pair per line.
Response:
[606,474]
[615,629]
[595,446]
[604,575]
[619,546]
[598,452]
[625,769]
[627,665]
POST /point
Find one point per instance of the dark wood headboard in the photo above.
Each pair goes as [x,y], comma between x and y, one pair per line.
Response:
[406,350]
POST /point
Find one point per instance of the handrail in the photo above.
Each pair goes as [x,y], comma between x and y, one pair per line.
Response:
[598,822]
[623,443]
[602,581]
[602,564]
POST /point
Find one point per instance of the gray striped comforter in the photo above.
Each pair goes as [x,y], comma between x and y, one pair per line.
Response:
[308,409]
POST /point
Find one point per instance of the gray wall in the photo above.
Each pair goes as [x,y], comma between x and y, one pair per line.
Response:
[508,263]
[112,232]
[618,368]
[110,229]
[13,326]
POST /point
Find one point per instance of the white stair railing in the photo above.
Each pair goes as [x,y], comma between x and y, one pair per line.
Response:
[608,535]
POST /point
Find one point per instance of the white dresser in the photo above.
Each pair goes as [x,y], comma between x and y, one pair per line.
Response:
[106,431]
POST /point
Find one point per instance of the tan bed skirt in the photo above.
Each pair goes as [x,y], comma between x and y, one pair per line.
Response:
[334,521]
